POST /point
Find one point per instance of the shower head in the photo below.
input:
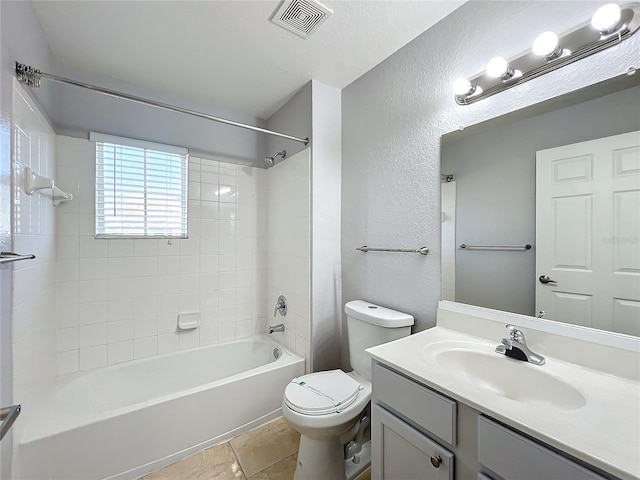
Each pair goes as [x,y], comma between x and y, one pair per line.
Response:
[271,160]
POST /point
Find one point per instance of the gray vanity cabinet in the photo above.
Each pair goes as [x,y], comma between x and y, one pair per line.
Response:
[417,433]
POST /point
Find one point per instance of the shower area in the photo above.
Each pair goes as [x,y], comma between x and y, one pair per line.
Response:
[163,345]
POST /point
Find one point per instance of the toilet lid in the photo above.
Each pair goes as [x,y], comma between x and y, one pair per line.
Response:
[321,393]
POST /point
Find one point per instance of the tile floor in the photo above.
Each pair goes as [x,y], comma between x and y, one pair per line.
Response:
[268,452]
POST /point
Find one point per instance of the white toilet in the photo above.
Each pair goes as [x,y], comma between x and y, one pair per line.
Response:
[326,407]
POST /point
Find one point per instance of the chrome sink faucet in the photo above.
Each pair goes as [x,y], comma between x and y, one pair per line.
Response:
[516,347]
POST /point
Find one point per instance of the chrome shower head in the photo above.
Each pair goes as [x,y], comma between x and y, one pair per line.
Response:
[270,161]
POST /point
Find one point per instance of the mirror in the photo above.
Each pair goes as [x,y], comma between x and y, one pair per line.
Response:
[489,201]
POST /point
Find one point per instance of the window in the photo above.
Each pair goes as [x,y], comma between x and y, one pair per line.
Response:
[141,189]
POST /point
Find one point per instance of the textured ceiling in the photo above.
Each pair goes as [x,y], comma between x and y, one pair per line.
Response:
[227,54]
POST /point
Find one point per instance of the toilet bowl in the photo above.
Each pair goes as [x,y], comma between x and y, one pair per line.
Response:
[324,431]
[327,407]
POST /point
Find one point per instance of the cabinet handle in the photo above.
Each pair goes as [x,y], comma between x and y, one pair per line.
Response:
[436,461]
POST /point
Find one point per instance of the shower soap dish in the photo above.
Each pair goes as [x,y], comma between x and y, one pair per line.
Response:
[188,320]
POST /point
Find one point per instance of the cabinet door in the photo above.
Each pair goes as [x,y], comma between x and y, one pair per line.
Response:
[400,452]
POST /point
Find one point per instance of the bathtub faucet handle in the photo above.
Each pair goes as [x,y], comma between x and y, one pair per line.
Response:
[281,306]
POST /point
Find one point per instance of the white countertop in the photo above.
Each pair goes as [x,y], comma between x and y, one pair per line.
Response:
[604,432]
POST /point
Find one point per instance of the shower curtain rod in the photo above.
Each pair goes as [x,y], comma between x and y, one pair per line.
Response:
[31,76]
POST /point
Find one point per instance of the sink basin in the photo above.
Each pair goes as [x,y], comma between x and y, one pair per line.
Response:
[509,378]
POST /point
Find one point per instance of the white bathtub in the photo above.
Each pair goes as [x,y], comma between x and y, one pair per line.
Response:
[127,420]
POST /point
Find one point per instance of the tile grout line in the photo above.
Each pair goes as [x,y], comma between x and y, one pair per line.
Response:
[235,455]
[265,468]
[272,465]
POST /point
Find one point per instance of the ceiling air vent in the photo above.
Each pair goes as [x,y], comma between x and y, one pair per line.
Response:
[302,17]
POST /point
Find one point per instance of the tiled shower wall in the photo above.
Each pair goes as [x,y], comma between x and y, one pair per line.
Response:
[33,232]
[289,249]
[118,300]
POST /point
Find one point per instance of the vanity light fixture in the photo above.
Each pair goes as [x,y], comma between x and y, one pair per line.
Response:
[607,18]
[547,45]
[498,67]
[462,86]
[610,25]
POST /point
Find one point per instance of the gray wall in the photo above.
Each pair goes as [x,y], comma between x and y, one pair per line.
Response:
[314,111]
[326,273]
[77,111]
[393,118]
[21,38]
[495,193]
[293,118]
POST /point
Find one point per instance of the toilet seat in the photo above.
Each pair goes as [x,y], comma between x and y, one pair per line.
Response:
[321,393]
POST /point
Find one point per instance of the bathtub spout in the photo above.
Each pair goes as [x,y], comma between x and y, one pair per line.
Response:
[276,328]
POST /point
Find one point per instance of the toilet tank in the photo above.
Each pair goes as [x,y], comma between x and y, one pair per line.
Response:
[369,325]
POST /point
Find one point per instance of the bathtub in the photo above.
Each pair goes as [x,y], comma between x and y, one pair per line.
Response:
[124,421]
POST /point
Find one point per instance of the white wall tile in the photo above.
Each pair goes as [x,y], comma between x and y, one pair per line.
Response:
[244,328]
[69,223]
[67,270]
[92,291]
[67,362]
[189,264]
[145,307]
[92,268]
[86,224]
[92,335]
[189,339]
[120,248]
[120,309]
[167,324]
[127,293]
[209,335]
[89,313]
[226,332]
[91,247]
[93,357]
[289,247]
[67,339]
[119,352]
[145,327]
[145,347]
[168,343]
[146,247]
[209,299]
[120,331]
[169,265]
[208,263]
[209,318]
[67,246]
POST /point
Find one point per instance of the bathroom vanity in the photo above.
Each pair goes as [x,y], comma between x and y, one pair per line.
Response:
[445,405]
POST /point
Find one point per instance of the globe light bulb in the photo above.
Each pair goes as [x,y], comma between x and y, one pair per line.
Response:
[546,45]
[499,68]
[462,87]
[607,18]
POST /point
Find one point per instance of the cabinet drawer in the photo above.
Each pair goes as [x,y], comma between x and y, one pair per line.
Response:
[515,457]
[422,406]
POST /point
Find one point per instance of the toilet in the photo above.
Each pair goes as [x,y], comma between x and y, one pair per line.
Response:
[329,408]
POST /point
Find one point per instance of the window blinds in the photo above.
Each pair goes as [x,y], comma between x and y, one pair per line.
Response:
[141,189]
